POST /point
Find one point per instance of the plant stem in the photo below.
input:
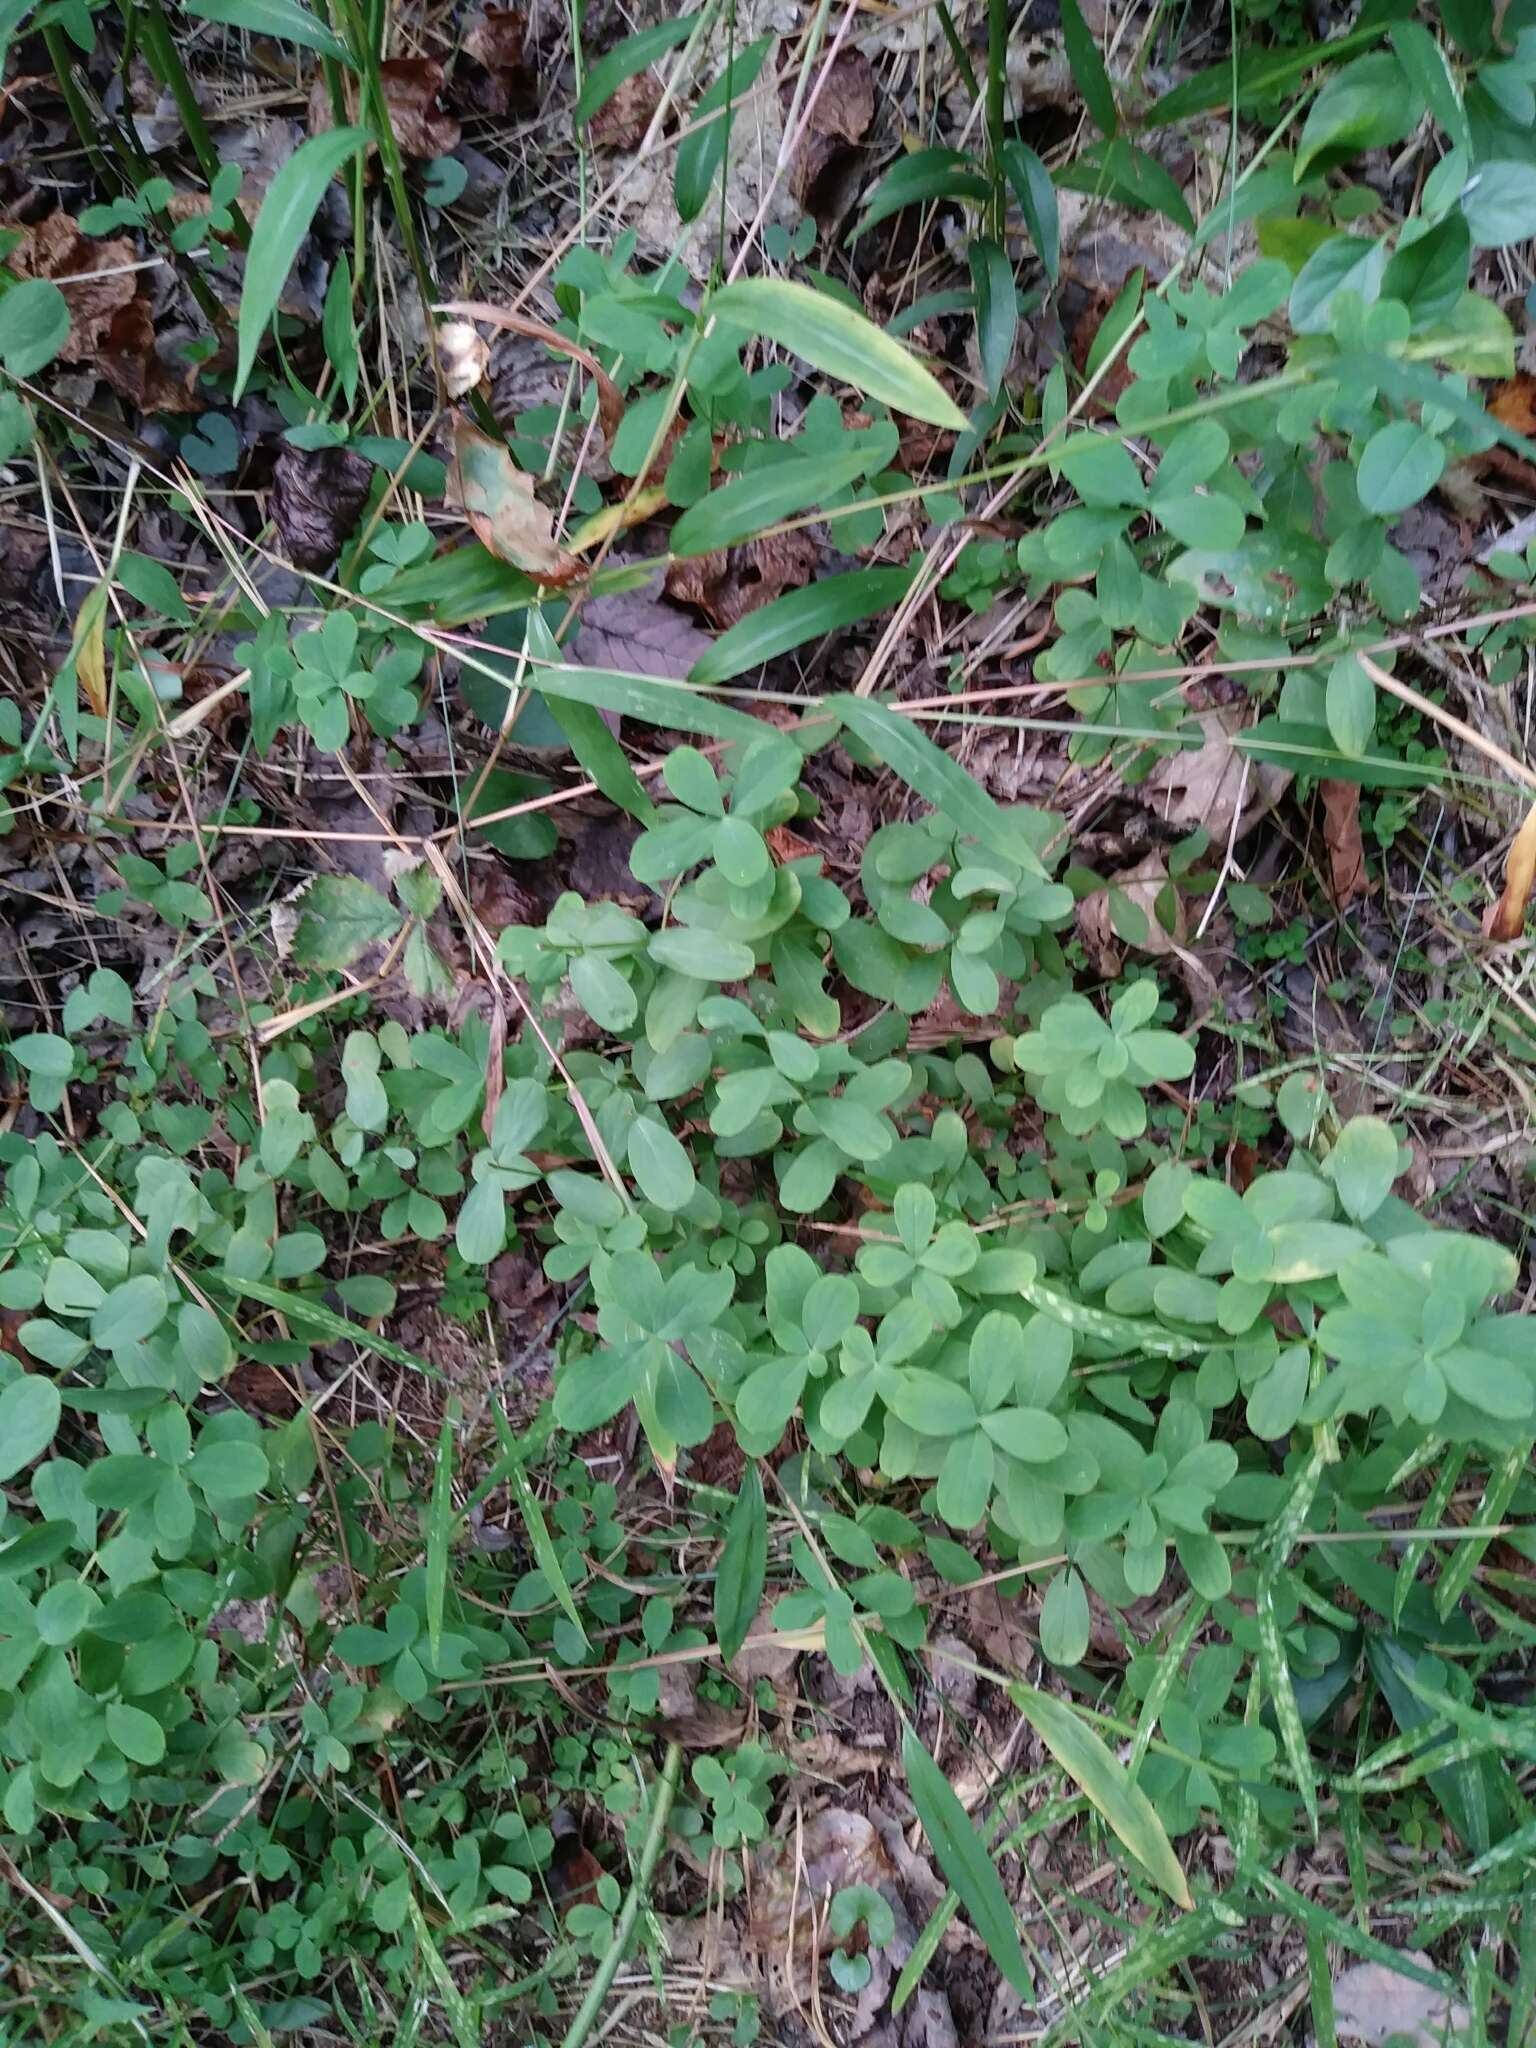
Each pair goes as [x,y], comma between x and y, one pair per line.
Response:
[79,113]
[165,61]
[608,1968]
[997,73]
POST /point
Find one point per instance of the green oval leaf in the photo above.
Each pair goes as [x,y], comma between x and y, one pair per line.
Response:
[838,341]
[1125,1807]
[1400,465]
[743,1566]
[34,325]
[29,1418]
[964,1860]
[281,226]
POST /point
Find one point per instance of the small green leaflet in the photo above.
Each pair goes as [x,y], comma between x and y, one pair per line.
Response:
[286,212]
[285,21]
[800,615]
[964,1861]
[907,750]
[743,1566]
[1399,465]
[34,325]
[1089,1764]
[626,60]
[843,344]
[29,1417]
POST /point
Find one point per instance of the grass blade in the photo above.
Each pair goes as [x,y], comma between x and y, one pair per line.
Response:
[964,1860]
[298,1308]
[743,1566]
[908,752]
[285,21]
[844,344]
[625,61]
[1276,1669]
[787,622]
[440,1530]
[747,504]
[1091,1766]
[545,1555]
[280,228]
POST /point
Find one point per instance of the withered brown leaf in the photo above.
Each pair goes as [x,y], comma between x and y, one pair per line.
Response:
[411,87]
[729,584]
[497,499]
[1341,836]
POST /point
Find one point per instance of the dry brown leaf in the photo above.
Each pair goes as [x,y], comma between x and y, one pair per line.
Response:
[637,632]
[1205,785]
[772,1661]
[129,360]
[1372,2003]
[1506,920]
[497,43]
[708,1728]
[796,1872]
[729,584]
[621,122]
[839,116]
[497,499]
[54,247]
[1341,836]
[411,87]
[1127,912]
[316,500]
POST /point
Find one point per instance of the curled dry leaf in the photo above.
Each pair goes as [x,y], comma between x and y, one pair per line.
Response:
[610,402]
[497,499]
[729,584]
[411,87]
[1341,836]
[1506,920]
[129,359]
[316,500]
[1374,2003]
[463,356]
[1130,911]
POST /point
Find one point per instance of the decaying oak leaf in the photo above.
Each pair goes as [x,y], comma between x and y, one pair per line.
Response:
[316,500]
[102,279]
[411,87]
[129,359]
[1133,910]
[729,584]
[1341,836]
[497,499]
[1506,920]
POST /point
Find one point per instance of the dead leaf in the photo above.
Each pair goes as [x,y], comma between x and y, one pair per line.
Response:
[54,247]
[840,116]
[129,359]
[729,584]
[411,87]
[1205,785]
[1513,404]
[708,1728]
[1130,911]
[1372,2002]
[1341,836]
[497,499]
[1506,920]
[1000,1631]
[772,1661]
[316,500]
[497,43]
[634,631]
[621,122]
[786,845]
[795,1873]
